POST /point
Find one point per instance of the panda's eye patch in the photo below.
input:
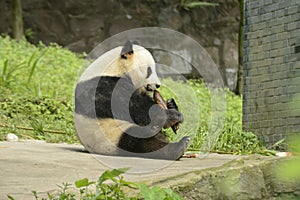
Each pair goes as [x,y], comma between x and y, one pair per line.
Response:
[149,72]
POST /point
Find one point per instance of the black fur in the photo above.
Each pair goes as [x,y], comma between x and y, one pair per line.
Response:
[149,72]
[114,97]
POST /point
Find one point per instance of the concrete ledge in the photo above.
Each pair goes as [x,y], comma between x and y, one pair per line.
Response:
[34,165]
[252,177]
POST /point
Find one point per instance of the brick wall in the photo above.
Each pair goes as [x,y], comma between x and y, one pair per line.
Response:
[271,68]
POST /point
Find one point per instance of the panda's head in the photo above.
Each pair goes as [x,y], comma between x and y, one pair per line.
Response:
[139,64]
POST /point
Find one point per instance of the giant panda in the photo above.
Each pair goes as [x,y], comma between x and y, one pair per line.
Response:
[115,113]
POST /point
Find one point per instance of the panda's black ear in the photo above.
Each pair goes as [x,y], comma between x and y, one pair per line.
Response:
[127,49]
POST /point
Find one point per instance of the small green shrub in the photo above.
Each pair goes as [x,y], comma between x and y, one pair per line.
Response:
[109,186]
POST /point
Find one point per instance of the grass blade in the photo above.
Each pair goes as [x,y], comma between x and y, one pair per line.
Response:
[31,58]
[14,69]
[32,70]
[33,65]
[4,75]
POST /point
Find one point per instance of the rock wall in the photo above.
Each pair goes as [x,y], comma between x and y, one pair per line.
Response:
[81,24]
[271,105]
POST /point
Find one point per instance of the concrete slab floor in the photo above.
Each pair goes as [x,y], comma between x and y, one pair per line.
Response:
[39,166]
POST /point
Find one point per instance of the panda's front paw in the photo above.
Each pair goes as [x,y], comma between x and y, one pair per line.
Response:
[173,117]
[171,104]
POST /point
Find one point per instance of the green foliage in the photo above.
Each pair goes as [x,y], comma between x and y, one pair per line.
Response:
[288,170]
[37,85]
[29,33]
[10,197]
[232,138]
[37,70]
[110,186]
[40,114]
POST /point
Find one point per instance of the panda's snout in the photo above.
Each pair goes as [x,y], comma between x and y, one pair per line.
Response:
[152,87]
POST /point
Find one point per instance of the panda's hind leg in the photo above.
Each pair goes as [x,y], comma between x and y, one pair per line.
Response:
[166,151]
[142,140]
[156,146]
[174,151]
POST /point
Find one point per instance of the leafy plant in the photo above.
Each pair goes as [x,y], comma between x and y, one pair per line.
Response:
[29,33]
[110,186]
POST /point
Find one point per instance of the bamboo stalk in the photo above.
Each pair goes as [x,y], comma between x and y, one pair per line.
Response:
[32,129]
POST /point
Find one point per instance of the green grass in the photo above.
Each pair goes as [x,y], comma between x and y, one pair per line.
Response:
[198,118]
[37,70]
[36,84]
[36,101]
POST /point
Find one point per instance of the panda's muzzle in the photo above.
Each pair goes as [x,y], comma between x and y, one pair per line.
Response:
[152,87]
